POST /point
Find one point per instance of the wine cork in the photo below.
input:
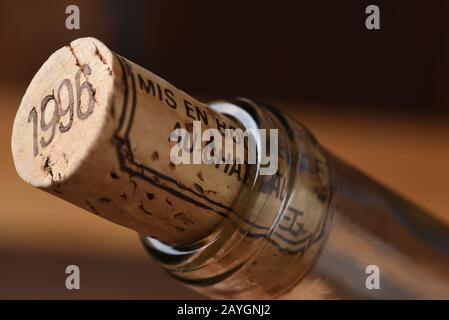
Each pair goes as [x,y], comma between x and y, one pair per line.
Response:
[93,128]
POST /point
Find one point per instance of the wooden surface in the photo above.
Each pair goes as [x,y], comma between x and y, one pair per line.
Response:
[40,234]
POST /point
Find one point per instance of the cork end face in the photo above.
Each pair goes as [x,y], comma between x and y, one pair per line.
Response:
[63,114]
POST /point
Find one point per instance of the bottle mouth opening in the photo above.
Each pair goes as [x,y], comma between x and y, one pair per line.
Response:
[276,225]
[247,219]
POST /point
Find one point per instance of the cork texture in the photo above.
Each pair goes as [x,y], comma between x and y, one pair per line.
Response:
[93,128]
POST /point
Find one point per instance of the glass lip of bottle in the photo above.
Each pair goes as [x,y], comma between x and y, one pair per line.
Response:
[184,258]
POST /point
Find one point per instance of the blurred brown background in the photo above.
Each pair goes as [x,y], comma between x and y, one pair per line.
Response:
[379,99]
